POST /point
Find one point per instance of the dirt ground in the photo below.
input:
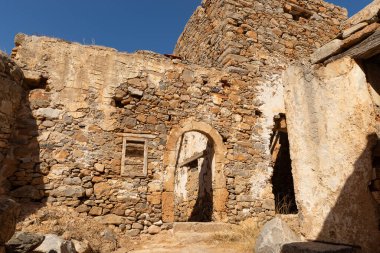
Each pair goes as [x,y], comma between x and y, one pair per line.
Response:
[68,224]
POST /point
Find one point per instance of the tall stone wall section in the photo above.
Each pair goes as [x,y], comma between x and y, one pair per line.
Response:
[258,40]
[258,37]
[332,133]
[85,97]
[11,94]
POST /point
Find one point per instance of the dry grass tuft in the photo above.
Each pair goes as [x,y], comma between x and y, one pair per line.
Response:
[245,234]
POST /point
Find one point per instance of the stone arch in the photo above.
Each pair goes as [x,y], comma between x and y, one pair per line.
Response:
[218,180]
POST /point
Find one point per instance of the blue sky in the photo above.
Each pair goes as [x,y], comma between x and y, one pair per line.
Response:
[127,25]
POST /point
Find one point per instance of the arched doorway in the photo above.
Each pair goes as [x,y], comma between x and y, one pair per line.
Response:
[194,183]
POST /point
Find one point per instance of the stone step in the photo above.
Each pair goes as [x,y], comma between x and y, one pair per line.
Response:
[201,227]
[317,247]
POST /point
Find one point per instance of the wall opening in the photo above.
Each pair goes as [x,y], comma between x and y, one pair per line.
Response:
[204,157]
[282,179]
[134,160]
[193,181]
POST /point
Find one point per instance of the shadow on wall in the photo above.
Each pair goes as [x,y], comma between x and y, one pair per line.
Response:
[26,173]
[203,208]
[354,220]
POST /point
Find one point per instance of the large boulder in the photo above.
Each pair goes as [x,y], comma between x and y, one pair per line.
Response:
[9,211]
[23,242]
[54,243]
[274,235]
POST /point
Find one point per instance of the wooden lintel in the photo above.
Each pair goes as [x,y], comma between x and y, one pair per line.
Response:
[194,157]
[137,135]
[364,50]
[297,10]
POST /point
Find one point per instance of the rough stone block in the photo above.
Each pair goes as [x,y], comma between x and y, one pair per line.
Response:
[346,33]
[360,35]
[27,191]
[53,243]
[111,219]
[69,191]
[168,206]
[9,211]
[273,236]
[24,242]
[326,51]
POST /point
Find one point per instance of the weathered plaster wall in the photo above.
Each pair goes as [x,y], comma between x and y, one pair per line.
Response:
[11,93]
[92,94]
[331,126]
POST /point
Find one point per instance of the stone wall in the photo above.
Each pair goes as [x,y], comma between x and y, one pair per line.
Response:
[87,99]
[332,132]
[11,94]
[257,37]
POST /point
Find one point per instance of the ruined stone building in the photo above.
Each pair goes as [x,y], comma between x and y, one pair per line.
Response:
[221,131]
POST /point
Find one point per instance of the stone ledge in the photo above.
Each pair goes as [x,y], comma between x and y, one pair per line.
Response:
[317,247]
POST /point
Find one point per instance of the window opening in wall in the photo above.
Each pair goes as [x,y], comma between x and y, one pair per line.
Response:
[134,160]
[282,179]
[36,83]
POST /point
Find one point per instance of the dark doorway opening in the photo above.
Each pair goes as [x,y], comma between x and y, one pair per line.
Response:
[194,197]
[282,179]
[203,208]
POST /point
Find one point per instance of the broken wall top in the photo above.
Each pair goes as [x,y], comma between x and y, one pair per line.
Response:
[248,36]
[71,68]
[359,40]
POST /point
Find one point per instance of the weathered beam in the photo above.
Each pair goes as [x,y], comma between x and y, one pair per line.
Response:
[194,157]
[298,11]
[364,50]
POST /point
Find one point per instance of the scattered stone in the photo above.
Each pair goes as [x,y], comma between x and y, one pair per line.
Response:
[135,92]
[53,243]
[137,226]
[82,246]
[24,242]
[96,211]
[154,230]
[133,232]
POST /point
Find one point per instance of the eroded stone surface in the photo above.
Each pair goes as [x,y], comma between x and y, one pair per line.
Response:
[23,242]
[273,236]
[9,211]
[331,126]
